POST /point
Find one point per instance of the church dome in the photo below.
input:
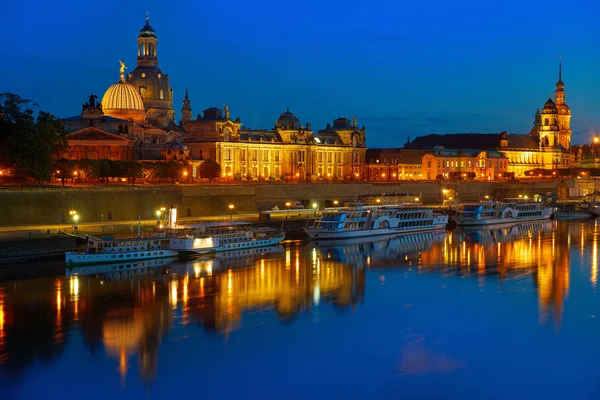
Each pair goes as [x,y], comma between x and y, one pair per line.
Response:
[549,107]
[288,120]
[121,100]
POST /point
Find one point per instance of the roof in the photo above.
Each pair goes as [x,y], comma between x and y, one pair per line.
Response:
[104,118]
[95,134]
[403,156]
[523,141]
[258,135]
[470,140]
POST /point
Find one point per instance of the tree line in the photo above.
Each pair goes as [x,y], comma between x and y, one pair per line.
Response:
[29,139]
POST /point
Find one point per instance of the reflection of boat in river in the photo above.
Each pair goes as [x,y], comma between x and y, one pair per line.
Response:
[366,252]
[225,260]
[503,233]
[125,269]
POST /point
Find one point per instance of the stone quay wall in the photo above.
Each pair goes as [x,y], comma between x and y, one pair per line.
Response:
[40,206]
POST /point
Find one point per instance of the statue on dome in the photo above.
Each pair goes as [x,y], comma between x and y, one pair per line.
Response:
[354,124]
[93,98]
[226,109]
[123,67]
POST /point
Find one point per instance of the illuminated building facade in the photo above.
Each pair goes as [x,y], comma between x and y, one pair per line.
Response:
[408,164]
[288,151]
[546,146]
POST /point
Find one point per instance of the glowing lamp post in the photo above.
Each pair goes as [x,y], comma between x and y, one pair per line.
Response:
[231,207]
[335,203]
[288,204]
[315,206]
[75,219]
[158,212]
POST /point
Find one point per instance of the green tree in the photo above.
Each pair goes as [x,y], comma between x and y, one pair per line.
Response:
[28,143]
[89,168]
[104,169]
[63,169]
[133,170]
[210,169]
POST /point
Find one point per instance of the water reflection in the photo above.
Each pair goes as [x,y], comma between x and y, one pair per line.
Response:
[126,311]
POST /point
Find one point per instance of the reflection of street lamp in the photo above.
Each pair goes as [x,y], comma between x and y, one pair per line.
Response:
[158,217]
[231,207]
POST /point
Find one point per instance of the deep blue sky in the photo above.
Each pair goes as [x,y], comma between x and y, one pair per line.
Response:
[403,68]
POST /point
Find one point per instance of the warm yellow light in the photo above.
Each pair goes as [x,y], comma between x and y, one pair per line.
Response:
[356,174]
[378,200]
[297,174]
[596,139]
[328,174]
[525,197]
[288,204]
[75,217]
[444,191]
[315,205]
[487,197]
[383,175]
[163,209]
[75,173]
[335,202]
[449,198]
[231,206]
[158,213]
[417,199]
[520,195]
[185,173]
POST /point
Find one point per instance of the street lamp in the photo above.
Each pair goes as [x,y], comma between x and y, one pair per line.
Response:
[335,203]
[315,206]
[75,219]
[158,217]
[288,204]
[231,207]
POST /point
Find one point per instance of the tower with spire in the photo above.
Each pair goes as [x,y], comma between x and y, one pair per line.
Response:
[186,110]
[564,112]
[152,84]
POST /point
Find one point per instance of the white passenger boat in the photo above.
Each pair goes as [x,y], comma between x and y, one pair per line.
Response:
[508,211]
[358,220]
[99,251]
[121,269]
[223,236]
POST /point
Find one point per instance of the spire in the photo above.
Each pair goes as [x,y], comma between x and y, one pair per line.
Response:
[122,70]
[560,67]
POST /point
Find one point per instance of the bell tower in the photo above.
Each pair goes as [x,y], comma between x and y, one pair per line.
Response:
[147,46]
[186,110]
[564,112]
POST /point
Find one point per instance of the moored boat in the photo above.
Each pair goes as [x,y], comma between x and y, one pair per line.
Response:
[112,250]
[509,211]
[216,237]
[360,221]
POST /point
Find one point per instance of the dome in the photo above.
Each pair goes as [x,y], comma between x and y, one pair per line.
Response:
[549,107]
[147,30]
[288,120]
[121,100]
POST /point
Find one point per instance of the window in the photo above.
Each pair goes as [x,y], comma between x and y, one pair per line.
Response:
[161,94]
[329,157]
[338,157]
[228,154]
[265,155]
[254,155]
[276,155]
[243,155]
[428,163]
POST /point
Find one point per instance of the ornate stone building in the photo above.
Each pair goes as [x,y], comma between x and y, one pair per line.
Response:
[546,146]
[439,162]
[289,150]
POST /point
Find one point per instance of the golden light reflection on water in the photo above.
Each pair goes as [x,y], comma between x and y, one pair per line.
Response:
[130,313]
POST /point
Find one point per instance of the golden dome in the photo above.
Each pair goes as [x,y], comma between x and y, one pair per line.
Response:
[122,100]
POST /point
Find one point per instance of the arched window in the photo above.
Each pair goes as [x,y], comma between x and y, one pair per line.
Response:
[151,50]
[161,94]
[142,49]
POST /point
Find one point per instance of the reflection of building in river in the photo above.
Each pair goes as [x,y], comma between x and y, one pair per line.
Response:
[287,281]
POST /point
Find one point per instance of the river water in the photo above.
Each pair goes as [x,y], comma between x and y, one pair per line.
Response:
[500,313]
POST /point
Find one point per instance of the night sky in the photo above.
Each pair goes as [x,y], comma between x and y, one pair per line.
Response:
[402,68]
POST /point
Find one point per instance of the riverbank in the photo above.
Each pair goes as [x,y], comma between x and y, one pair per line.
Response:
[43,205]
